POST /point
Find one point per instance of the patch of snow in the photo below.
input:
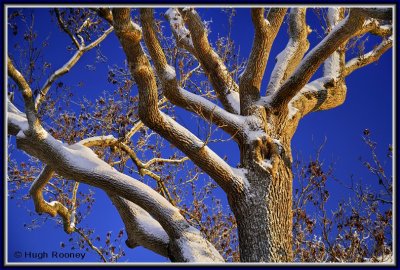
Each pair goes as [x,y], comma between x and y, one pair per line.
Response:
[203,102]
[151,226]
[21,134]
[81,156]
[386,27]
[241,172]
[333,16]
[136,26]
[278,142]
[195,248]
[292,110]
[266,164]
[18,120]
[234,100]
[332,65]
[254,135]
[178,26]
[169,73]
[282,62]
[267,22]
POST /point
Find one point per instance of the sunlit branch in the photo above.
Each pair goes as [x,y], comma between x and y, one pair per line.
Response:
[265,30]
[290,57]
[52,208]
[218,74]
[179,96]
[307,67]
[26,91]
[89,242]
[368,58]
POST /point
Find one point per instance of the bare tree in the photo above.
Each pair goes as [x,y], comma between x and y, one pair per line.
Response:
[259,190]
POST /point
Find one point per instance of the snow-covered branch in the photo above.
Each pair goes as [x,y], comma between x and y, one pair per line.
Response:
[333,66]
[141,227]
[179,30]
[368,58]
[290,57]
[81,164]
[218,74]
[265,30]
[149,113]
[311,62]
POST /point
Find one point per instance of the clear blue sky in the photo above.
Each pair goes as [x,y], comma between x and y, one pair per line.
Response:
[368,105]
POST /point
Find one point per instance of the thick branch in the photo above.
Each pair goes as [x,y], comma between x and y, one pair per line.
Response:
[265,33]
[378,13]
[219,76]
[53,208]
[290,57]
[149,113]
[142,229]
[26,91]
[316,57]
[231,123]
[80,163]
[368,58]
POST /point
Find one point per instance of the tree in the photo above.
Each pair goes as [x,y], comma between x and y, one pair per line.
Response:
[259,190]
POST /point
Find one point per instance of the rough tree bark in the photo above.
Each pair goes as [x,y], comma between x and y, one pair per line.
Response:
[259,191]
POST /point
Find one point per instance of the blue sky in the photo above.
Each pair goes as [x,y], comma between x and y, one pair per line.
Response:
[368,105]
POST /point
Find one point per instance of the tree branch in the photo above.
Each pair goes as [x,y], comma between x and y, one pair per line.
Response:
[26,91]
[341,33]
[53,208]
[67,67]
[80,163]
[368,58]
[290,57]
[230,123]
[142,228]
[219,76]
[149,113]
[65,29]
[264,36]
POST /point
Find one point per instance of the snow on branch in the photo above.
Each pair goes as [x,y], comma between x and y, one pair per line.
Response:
[289,58]
[311,62]
[80,163]
[212,64]
[332,65]
[142,229]
[229,122]
[368,58]
[179,30]
[264,37]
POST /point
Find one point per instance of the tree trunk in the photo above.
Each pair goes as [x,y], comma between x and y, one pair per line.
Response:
[264,213]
